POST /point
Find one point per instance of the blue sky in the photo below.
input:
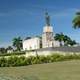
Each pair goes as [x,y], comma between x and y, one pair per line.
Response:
[26,18]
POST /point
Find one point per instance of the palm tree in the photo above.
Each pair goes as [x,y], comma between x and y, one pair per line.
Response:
[76,21]
[17,43]
[59,37]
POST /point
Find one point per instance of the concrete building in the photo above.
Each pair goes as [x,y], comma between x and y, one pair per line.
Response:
[31,44]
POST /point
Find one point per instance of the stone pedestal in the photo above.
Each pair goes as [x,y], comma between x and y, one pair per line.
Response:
[47,37]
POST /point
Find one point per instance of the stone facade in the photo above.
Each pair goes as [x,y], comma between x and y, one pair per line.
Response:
[47,37]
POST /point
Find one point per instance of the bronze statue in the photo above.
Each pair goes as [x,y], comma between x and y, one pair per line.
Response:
[47,17]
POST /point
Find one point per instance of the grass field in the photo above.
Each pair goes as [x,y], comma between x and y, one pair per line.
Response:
[66,70]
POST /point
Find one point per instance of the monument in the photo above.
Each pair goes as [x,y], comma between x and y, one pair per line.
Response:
[47,39]
[47,36]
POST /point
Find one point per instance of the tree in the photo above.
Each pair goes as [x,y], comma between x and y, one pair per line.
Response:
[3,50]
[72,42]
[27,38]
[17,43]
[59,37]
[9,48]
[65,39]
[76,21]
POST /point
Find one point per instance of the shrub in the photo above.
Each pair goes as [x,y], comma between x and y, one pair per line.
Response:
[12,54]
[3,62]
[22,61]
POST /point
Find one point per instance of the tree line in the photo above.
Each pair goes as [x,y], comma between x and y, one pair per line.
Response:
[17,42]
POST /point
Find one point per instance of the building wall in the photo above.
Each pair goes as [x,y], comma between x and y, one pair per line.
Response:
[56,43]
[31,44]
[46,53]
[54,50]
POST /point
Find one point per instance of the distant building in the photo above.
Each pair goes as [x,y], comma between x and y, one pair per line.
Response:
[31,44]
[10,49]
[47,39]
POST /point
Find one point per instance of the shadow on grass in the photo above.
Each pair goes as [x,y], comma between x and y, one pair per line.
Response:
[22,78]
[31,78]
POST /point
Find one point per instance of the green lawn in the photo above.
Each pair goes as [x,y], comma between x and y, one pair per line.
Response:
[67,70]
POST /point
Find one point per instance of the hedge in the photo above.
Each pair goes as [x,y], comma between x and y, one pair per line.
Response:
[13,61]
[11,54]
